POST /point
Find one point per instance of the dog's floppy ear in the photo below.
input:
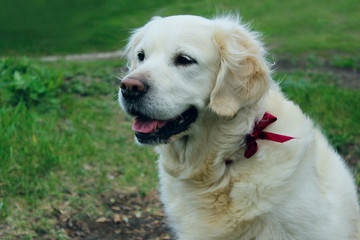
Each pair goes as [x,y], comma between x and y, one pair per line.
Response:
[244,75]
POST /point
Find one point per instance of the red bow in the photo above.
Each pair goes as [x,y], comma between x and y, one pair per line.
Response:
[258,133]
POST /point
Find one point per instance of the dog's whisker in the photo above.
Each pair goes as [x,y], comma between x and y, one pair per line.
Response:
[115,97]
[117,77]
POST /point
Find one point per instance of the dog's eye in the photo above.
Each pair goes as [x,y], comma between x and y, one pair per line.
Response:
[184,60]
[141,56]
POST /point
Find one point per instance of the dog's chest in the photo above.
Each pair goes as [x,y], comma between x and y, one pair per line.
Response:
[202,211]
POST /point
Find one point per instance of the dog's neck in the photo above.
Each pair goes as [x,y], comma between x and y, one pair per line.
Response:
[210,143]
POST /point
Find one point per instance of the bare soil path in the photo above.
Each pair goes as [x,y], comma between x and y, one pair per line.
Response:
[132,217]
[84,56]
[349,77]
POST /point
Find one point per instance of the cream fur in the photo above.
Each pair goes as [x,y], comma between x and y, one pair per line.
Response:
[299,190]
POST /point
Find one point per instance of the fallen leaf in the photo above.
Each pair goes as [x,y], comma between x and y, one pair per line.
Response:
[125,219]
[103,219]
[138,214]
[116,208]
[117,218]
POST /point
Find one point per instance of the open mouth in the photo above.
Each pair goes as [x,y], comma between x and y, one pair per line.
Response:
[152,131]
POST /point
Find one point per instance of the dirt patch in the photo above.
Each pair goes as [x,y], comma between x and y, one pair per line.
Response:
[347,77]
[131,217]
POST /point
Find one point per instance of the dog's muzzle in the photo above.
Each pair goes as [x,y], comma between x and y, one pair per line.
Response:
[148,129]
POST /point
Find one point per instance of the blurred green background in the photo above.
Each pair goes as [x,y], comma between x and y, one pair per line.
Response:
[65,146]
[43,27]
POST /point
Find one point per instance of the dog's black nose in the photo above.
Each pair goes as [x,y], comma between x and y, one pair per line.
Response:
[133,87]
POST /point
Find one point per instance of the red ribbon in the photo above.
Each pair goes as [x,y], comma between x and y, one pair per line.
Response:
[258,133]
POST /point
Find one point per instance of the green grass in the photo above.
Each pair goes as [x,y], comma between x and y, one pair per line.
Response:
[298,27]
[66,151]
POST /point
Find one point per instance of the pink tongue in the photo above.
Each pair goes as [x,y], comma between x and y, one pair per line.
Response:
[147,125]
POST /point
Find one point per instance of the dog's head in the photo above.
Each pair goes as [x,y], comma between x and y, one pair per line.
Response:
[181,65]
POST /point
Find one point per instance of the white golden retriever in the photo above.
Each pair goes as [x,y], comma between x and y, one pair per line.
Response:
[201,91]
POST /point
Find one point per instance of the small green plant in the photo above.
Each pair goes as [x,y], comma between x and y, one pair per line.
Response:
[21,80]
[351,62]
